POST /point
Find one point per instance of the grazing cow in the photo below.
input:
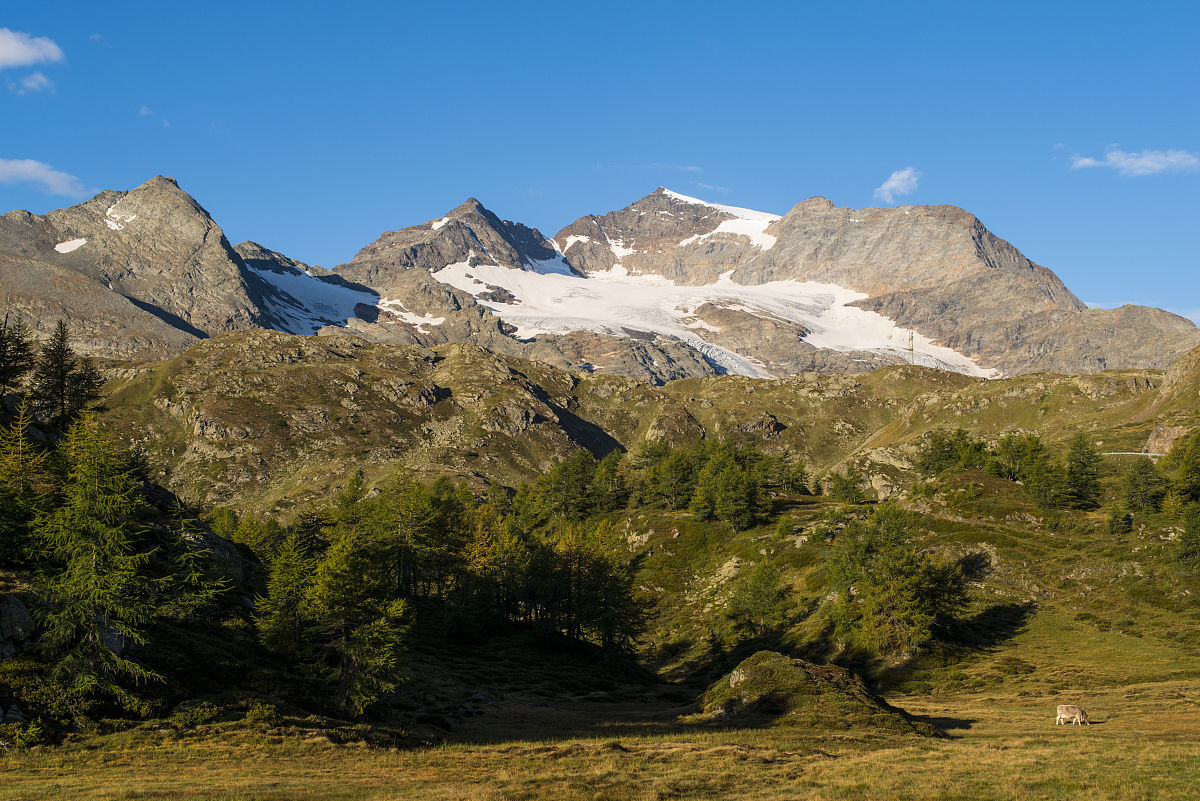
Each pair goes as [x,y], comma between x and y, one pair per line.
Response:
[1070,713]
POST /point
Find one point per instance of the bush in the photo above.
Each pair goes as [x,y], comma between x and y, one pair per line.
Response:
[21,735]
[191,714]
[263,715]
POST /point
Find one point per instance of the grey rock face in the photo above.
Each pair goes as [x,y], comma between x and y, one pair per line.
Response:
[145,272]
[468,233]
[16,626]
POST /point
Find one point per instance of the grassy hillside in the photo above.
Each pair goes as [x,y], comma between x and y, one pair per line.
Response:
[1062,607]
[267,421]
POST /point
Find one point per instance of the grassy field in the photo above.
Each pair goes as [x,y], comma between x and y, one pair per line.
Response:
[1145,745]
[1095,619]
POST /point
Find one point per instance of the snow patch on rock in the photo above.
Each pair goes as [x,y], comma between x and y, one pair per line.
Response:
[397,308]
[747,222]
[304,303]
[69,245]
[115,220]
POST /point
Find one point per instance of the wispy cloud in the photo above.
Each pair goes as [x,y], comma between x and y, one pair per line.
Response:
[1145,162]
[146,111]
[19,49]
[900,182]
[34,82]
[48,179]
[711,187]
[98,39]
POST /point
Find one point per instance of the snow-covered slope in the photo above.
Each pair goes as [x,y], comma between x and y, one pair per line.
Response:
[747,222]
[623,305]
[303,303]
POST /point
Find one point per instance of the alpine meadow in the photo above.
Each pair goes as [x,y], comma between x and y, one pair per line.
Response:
[676,499]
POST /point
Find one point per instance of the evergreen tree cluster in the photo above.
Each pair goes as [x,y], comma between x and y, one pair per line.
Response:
[1073,483]
[55,383]
[76,518]
[345,581]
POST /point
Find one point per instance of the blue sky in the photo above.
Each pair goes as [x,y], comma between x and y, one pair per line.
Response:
[1070,129]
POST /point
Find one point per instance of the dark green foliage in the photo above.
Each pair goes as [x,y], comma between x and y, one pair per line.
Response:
[1016,455]
[280,619]
[956,450]
[1046,483]
[757,604]
[848,486]
[22,481]
[62,384]
[112,570]
[1143,486]
[1183,465]
[892,597]
[16,353]
[101,602]
[1119,521]
[1082,487]
[356,626]
[1187,549]
[728,489]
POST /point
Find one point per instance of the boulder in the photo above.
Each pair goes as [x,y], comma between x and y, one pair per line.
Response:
[16,626]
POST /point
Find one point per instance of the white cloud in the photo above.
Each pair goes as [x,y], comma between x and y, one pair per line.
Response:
[901,182]
[34,82]
[1147,162]
[22,50]
[145,111]
[56,182]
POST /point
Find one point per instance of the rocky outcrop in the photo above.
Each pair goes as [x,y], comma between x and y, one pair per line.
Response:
[792,692]
[16,626]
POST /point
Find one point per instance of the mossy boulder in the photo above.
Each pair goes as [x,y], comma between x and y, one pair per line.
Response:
[771,689]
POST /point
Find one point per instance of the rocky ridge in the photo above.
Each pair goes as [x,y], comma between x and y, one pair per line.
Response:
[666,288]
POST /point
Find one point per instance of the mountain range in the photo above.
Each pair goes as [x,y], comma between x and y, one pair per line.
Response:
[668,287]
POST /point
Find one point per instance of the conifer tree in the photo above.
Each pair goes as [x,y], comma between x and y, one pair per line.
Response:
[1083,473]
[357,629]
[99,605]
[847,487]
[1184,460]
[1143,486]
[16,352]
[757,604]
[22,469]
[1119,521]
[63,384]
[892,597]
[280,620]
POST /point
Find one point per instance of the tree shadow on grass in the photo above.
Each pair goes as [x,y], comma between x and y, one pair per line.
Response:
[993,626]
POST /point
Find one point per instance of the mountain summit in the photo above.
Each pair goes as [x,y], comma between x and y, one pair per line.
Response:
[668,287]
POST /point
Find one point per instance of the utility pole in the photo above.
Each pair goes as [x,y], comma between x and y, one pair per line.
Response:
[912,351]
